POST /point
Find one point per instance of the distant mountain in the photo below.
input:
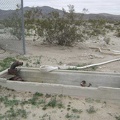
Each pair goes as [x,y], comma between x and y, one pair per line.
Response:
[5,13]
[102,16]
[46,9]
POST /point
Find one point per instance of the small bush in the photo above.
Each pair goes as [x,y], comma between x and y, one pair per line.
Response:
[4,64]
[89,100]
[55,29]
[13,114]
[52,102]
[107,40]
[117,117]
[2,26]
[118,34]
[76,111]
[37,94]
[14,23]
[27,64]
[91,110]
[71,116]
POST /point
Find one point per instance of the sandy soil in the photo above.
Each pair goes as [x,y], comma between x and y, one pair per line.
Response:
[81,54]
[65,107]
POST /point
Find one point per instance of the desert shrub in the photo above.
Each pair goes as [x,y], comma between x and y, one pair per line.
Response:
[109,27]
[4,64]
[117,117]
[72,116]
[97,27]
[60,31]
[107,40]
[1,26]
[118,32]
[32,18]
[13,114]
[91,110]
[77,111]
[52,102]
[13,23]
[55,29]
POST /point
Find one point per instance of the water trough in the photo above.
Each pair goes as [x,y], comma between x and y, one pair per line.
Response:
[66,82]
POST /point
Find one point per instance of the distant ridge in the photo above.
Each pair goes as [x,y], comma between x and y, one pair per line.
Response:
[46,9]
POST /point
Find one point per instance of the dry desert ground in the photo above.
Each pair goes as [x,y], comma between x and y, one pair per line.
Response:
[16,105]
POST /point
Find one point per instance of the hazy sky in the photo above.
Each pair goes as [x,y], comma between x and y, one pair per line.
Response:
[93,6]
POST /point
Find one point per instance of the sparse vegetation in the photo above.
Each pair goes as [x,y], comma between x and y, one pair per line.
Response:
[14,114]
[4,64]
[65,31]
[15,106]
[118,32]
[93,68]
[72,116]
[91,110]
[23,58]
[13,24]
[98,101]
[107,40]
[117,117]
[89,100]
[55,29]
[27,64]
[53,102]
[77,111]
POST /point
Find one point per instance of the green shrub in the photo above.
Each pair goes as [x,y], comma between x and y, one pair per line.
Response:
[55,29]
[52,102]
[14,23]
[4,64]
[117,117]
[118,34]
[91,110]
[76,111]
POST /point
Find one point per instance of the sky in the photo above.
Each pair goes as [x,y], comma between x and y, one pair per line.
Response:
[93,6]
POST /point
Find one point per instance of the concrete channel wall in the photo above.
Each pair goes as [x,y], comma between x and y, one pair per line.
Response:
[69,77]
[100,92]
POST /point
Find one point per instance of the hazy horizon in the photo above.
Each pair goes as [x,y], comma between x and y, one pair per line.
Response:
[93,6]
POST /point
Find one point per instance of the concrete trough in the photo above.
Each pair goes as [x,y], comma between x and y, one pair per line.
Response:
[66,82]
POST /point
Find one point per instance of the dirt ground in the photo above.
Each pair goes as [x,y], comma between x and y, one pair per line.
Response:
[27,106]
[91,51]
[80,54]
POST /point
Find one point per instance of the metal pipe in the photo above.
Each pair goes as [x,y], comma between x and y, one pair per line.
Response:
[23,31]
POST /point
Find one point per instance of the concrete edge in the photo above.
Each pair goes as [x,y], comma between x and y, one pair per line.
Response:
[106,93]
[3,72]
[71,71]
